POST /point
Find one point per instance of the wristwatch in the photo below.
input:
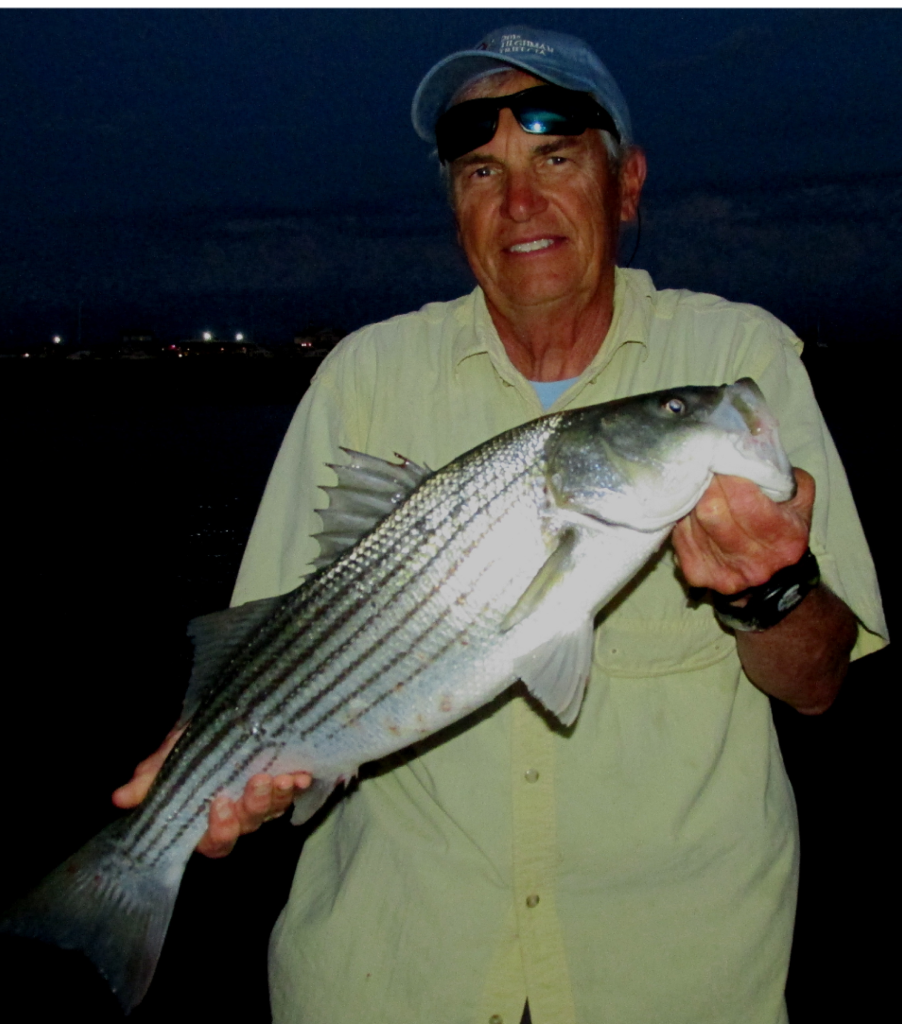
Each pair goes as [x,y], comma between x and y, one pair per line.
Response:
[771,602]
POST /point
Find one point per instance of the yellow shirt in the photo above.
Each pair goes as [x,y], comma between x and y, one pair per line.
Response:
[639,868]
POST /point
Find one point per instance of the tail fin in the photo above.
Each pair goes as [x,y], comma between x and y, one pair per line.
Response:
[112,909]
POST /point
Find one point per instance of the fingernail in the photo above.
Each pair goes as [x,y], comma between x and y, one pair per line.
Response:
[223,811]
[261,788]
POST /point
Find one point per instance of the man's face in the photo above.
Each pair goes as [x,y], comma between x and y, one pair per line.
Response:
[538,215]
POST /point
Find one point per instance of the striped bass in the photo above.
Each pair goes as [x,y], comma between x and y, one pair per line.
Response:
[434,593]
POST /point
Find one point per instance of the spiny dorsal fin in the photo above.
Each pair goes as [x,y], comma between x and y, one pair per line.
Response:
[216,638]
[368,489]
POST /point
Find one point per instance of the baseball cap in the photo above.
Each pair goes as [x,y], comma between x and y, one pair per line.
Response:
[553,56]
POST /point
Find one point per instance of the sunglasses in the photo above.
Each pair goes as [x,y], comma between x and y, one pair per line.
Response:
[542,110]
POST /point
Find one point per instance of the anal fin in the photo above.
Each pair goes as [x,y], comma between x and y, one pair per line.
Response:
[308,801]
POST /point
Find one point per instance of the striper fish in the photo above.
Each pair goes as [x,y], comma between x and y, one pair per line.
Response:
[434,592]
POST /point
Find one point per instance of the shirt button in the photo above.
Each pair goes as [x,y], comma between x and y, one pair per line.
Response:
[496,1018]
[532,901]
[531,775]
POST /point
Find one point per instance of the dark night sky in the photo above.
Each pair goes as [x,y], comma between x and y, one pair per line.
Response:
[258,169]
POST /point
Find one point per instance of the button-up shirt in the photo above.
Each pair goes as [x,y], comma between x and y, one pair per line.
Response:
[639,867]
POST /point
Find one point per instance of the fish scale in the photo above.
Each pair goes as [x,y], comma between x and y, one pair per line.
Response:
[435,528]
[490,570]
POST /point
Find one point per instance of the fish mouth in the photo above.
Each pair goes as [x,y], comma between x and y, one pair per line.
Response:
[747,400]
[743,402]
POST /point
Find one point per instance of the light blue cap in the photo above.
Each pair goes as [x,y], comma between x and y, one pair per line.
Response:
[557,58]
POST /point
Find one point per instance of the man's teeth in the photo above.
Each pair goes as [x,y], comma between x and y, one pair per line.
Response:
[539,243]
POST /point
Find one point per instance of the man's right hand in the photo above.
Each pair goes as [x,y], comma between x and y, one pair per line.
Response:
[265,797]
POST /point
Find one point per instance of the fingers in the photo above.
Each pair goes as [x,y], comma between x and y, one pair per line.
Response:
[264,798]
[803,499]
[223,829]
[134,791]
[736,537]
[737,511]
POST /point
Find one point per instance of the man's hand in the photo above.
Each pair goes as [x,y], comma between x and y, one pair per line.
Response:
[736,538]
[264,797]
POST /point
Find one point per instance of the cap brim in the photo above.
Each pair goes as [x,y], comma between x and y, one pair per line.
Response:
[446,78]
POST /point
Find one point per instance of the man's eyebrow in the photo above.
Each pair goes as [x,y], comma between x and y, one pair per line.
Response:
[475,158]
[556,145]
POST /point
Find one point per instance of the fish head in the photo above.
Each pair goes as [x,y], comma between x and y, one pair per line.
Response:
[645,461]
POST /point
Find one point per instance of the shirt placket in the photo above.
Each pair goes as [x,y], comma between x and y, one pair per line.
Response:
[535,859]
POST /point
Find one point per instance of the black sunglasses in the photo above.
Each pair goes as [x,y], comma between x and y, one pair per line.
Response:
[541,110]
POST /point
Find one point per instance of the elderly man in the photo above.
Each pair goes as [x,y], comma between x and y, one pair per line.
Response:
[642,866]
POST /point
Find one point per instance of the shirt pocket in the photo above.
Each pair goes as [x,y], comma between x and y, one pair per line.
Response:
[654,627]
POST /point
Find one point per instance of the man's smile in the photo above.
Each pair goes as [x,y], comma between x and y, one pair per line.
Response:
[533,245]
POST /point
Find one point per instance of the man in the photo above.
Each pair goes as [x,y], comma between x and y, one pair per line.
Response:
[642,866]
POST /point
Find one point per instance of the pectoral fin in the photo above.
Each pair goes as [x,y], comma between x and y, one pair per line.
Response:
[556,672]
[552,572]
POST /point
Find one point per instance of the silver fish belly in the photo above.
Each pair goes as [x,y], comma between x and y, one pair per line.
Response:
[436,592]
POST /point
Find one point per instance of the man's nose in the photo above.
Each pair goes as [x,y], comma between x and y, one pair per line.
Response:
[523,195]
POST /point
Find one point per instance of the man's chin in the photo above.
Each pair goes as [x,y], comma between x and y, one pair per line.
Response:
[533,291]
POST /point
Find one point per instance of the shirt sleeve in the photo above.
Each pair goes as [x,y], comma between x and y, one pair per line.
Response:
[837,538]
[282,543]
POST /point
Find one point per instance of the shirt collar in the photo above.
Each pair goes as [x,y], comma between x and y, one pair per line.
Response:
[631,323]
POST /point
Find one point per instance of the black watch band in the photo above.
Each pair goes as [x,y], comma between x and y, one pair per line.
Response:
[772,601]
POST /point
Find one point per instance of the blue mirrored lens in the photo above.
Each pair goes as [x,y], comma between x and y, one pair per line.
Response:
[541,110]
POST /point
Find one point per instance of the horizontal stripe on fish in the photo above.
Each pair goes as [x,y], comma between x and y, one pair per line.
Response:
[450,528]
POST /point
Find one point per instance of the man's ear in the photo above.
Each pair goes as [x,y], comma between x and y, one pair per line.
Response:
[632,178]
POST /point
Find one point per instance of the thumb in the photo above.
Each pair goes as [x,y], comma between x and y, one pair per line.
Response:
[134,791]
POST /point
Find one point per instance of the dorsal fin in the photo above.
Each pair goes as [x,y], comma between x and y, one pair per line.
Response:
[216,638]
[368,489]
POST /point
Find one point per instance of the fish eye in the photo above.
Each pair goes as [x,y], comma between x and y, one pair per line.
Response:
[674,405]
